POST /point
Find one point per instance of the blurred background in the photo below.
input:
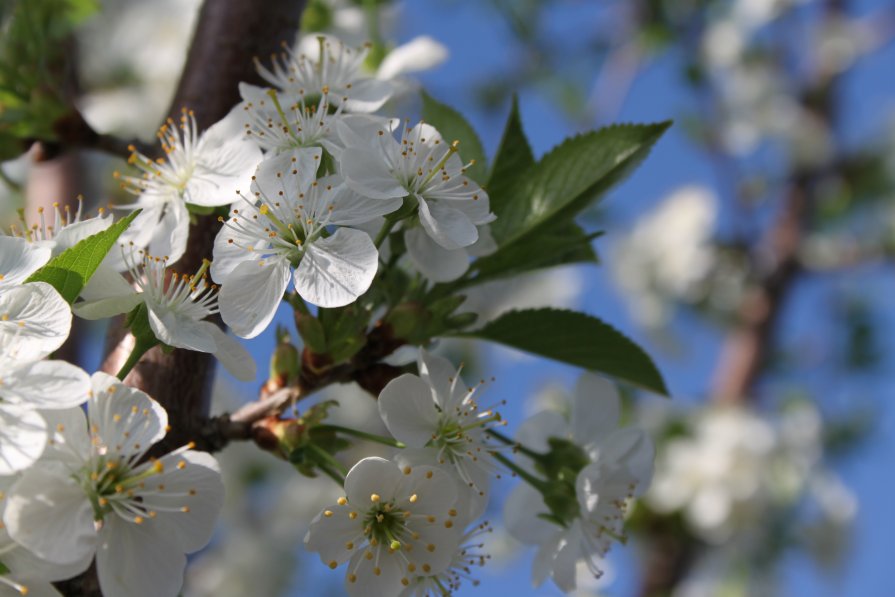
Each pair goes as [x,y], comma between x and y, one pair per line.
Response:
[750,255]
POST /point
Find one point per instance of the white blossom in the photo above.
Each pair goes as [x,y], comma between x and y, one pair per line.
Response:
[436,412]
[19,259]
[94,493]
[177,306]
[287,223]
[392,524]
[333,69]
[423,167]
[204,170]
[617,467]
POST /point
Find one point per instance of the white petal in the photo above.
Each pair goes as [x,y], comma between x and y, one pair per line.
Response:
[108,307]
[74,233]
[50,515]
[19,259]
[353,209]
[47,385]
[366,172]
[127,420]
[443,378]
[595,408]
[449,227]
[106,282]
[196,484]
[329,535]
[436,490]
[420,53]
[225,163]
[227,254]
[180,331]
[68,439]
[537,429]
[564,564]
[370,476]
[434,261]
[407,408]
[233,355]
[38,319]
[251,294]
[367,582]
[368,95]
[290,172]
[170,236]
[23,436]
[520,514]
[336,270]
[543,564]
[134,561]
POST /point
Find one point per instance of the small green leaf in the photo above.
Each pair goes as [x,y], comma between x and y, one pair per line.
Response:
[453,126]
[70,271]
[577,339]
[514,158]
[563,244]
[569,178]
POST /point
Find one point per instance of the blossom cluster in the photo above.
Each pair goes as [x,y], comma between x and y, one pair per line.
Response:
[76,484]
[315,194]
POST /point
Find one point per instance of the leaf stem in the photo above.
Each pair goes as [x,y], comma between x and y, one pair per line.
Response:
[328,460]
[522,473]
[516,445]
[384,231]
[141,347]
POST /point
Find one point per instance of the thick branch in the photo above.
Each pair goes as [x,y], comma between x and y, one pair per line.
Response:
[230,33]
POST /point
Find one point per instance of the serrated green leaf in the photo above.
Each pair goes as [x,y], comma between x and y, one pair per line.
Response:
[453,126]
[569,178]
[70,271]
[577,339]
[557,245]
[514,158]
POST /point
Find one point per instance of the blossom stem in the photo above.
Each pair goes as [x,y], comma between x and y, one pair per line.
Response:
[327,460]
[384,231]
[516,445]
[386,441]
[141,347]
[538,484]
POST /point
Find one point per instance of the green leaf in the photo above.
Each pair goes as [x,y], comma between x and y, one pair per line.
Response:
[70,271]
[577,339]
[514,158]
[563,244]
[453,126]
[570,177]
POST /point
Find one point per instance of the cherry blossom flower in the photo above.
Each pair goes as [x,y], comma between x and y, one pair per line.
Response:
[204,170]
[421,166]
[177,306]
[288,223]
[467,556]
[615,466]
[94,493]
[392,524]
[333,69]
[436,412]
